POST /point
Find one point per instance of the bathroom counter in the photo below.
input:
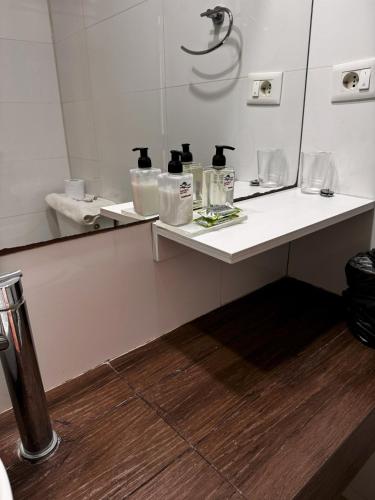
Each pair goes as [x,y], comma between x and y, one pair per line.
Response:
[243,189]
[273,220]
[124,213]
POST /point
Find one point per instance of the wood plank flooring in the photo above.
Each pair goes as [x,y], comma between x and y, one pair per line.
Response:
[269,397]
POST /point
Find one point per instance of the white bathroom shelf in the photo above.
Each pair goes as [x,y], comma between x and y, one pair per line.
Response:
[273,220]
[243,189]
[124,212]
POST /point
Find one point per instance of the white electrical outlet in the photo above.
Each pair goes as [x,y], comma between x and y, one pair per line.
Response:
[353,81]
[265,89]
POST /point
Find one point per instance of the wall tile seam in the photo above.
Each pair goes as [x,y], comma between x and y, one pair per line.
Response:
[5,101]
[26,42]
[169,87]
[28,159]
[83,158]
[85,27]
[243,77]
[10,159]
[2,218]
[67,37]
[59,93]
[89,26]
[163,92]
[106,96]
[94,177]
[34,42]
[329,67]
[93,114]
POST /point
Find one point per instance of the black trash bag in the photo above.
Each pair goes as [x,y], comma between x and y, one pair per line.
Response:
[360,297]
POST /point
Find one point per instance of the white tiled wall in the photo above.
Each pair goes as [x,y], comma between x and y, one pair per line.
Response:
[266,37]
[96,11]
[342,31]
[109,59]
[219,109]
[209,93]
[125,82]
[26,20]
[33,156]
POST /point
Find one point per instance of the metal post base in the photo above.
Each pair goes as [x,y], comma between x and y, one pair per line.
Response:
[35,457]
[22,374]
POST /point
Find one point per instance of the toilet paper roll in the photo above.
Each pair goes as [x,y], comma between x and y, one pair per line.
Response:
[75,189]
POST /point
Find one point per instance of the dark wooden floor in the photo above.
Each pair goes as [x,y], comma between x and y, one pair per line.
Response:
[267,398]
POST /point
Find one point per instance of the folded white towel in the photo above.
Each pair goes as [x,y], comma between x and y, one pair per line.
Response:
[82,212]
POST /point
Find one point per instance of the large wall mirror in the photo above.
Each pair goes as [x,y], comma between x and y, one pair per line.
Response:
[124,81]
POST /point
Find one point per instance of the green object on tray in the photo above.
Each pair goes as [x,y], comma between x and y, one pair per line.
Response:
[211,219]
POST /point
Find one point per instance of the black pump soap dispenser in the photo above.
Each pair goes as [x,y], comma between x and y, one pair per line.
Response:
[144,161]
[144,183]
[218,183]
[175,165]
[176,193]
[186,154]
[196,169]
[219,161]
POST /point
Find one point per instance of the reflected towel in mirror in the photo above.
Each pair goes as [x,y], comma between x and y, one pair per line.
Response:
[82,212]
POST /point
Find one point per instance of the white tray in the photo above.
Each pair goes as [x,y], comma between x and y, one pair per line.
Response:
[194,229]
[122,212]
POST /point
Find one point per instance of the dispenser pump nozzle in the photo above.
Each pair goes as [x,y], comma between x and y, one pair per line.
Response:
[175,165]
[219,160]
[186,155]
[143,161]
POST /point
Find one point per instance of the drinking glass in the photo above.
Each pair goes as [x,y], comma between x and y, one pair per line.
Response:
[317,172]
[272,168]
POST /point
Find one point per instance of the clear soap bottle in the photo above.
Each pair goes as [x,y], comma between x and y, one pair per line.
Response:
[218,184]
[144,183]
[176,193]
[190,167]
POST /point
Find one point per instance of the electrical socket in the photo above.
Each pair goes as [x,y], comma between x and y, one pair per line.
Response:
[353,81]
[350,80]
[265,89]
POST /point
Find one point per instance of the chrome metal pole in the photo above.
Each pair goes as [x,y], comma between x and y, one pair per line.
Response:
[22,373]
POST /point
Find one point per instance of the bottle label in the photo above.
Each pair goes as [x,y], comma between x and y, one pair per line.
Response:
[185,190]
[229,182]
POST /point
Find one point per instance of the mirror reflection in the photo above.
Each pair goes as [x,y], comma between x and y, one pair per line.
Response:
[184,75]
